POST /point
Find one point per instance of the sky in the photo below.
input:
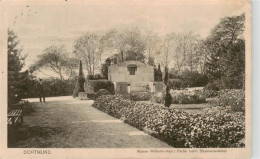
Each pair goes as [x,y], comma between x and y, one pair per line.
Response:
[41,25]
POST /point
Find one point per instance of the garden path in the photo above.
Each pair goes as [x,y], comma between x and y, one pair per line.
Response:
[67,122]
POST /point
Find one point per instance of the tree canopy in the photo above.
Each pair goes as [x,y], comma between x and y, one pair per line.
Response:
[17,80]
[226,46]
[57,60]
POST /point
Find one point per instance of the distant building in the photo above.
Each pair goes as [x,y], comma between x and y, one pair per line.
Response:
[132,76]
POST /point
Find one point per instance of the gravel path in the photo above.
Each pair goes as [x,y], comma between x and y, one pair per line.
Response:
[66,122]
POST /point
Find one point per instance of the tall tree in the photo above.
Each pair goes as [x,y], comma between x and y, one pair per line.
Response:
[226,45]
[126,43]
[152,42]
[16,78]
[57,60]
[87,48]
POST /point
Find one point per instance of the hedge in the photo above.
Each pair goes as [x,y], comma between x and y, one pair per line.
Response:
[177,128]
[52,87]
[92,86]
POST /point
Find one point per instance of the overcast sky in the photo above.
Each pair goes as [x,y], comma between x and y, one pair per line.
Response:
[39,26]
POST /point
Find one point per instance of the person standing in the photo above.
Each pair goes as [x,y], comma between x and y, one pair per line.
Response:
[41,91]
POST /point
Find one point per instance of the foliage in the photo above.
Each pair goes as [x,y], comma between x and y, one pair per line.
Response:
[186,97]
[214,85]
[177,128]
[140,96]
[101,92]
[80,82]
[175,84]
[105,67]
[191,79]
[17,80]
[157,97]
[95,77]
[135,56]
[168,98]
[234,98]
[206,93]
[55,59]
[102,84]
[158,74]
[226,46]
[52,87]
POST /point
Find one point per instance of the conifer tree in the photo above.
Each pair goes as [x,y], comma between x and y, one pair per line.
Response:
[159,73]
[16,78]
[80,82]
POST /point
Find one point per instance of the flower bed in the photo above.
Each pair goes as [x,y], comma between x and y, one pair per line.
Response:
[177,128]
[234,98]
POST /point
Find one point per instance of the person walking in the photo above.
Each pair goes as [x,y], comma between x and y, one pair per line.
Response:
[41,91]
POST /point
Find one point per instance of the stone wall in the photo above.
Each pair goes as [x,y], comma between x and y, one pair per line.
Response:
[119,72]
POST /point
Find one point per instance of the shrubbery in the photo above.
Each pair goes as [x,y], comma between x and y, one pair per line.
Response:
[100,84]
[186,97]
[140,96]
[175,83]
[206,93]
[177,128]
[95,77]
[191,79]
[102,92]
[52,87]
[157,97]
[234,98]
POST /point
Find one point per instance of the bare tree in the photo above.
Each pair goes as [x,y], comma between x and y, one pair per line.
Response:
[124,42]
[152,46]
[55,59]
[88,48]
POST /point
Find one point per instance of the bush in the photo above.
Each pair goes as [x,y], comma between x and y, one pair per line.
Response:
[206,93]
[100,84]
[215,86]
[175,84]
[52,87]
[185,97]
[234,98]
[157,97]
[90,77]
[177,128]
[102,92]
[192,79]
[94,77]
[140,96]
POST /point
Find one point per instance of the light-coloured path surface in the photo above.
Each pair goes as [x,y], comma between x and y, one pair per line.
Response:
[66,122]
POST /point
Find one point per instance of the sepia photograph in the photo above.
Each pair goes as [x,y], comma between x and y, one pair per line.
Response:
[137,74]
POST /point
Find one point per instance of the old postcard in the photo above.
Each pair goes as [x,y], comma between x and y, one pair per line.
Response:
[125,79]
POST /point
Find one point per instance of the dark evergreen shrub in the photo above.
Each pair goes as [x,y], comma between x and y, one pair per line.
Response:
[168,98]
[80,82]
[175,84]
[102,84]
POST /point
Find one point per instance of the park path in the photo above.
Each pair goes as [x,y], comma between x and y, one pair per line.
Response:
[67,122]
